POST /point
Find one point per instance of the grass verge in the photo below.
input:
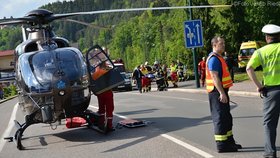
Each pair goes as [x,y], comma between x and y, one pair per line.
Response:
[242,76]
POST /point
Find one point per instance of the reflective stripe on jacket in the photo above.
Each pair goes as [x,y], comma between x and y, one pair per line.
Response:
[226,79]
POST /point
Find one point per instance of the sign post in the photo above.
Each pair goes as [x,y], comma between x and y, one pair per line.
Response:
[194,39]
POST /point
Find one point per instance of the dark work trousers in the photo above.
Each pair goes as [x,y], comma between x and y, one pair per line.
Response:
[271,110]
[139,84]
[222,119]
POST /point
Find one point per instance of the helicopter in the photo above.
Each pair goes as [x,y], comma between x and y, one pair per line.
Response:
[54,79]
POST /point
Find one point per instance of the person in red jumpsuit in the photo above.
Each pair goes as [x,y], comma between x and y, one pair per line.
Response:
[202,71]
[105,110]
[105,102]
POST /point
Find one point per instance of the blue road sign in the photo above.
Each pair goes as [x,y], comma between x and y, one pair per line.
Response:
[193,33]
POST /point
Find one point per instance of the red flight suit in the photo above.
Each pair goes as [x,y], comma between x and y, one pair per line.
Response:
[106,106]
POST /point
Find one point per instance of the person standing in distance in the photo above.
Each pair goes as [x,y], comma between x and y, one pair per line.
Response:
[137,75]
[268,57]
[218,82]
[230,63]
[202,71]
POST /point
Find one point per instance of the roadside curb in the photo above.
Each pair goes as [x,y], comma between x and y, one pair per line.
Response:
[242,93]
[4,100]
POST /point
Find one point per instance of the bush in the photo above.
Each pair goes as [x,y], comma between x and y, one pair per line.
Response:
[10,91]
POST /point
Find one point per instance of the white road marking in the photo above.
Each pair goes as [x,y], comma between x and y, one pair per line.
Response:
[9,128]
[188,146]
[175,140]
[120,116]
[177,98]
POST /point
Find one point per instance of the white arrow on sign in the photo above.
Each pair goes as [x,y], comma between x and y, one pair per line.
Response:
[190,34]
[198,35]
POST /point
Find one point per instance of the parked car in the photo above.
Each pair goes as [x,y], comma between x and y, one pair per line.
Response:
[127,85]
[120,67]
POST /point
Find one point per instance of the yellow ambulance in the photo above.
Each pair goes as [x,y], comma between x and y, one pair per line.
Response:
[246,51]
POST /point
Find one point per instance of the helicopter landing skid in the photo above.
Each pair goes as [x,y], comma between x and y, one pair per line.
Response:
[29,120]
[18,136]
[10,139]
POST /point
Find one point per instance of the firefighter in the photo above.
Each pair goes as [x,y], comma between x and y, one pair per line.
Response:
[218,82]
[268,58]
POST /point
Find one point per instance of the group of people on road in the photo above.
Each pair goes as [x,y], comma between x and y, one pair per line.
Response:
[140,75]
[219,79]
[143,74]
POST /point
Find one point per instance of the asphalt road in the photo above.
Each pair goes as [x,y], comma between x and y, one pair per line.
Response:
[179,125]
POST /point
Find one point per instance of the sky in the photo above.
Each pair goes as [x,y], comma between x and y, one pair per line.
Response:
[18,8]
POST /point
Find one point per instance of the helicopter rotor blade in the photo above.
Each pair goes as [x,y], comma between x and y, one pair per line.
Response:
[13,22]
[43,16]
[86,24]
[143,9]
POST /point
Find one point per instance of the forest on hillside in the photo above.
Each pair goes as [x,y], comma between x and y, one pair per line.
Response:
[142,36]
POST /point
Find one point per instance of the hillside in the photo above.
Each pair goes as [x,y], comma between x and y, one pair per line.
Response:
[142,36]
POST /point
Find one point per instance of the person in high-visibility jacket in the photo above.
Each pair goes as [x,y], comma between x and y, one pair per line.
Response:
[218,82]
[173,75]
[268,57]
[105,101]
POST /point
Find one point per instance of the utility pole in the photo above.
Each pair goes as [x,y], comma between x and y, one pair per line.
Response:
[194,53]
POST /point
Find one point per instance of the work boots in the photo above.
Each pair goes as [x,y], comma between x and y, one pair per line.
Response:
[232,142]
[105,125]
[110,127]
[226,146]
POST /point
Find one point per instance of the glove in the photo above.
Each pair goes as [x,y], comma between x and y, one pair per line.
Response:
[263,92]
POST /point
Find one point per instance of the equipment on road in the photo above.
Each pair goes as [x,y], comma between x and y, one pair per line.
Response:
[161,84]
[131,123]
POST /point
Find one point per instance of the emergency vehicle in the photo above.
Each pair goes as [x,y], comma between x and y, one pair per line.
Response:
[246,51]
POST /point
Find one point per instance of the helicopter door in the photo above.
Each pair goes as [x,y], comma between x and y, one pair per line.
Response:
[103,74]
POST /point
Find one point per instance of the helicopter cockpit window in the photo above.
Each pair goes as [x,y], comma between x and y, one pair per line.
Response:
[44,68]
[31,47]
[61,42]
[98,58]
